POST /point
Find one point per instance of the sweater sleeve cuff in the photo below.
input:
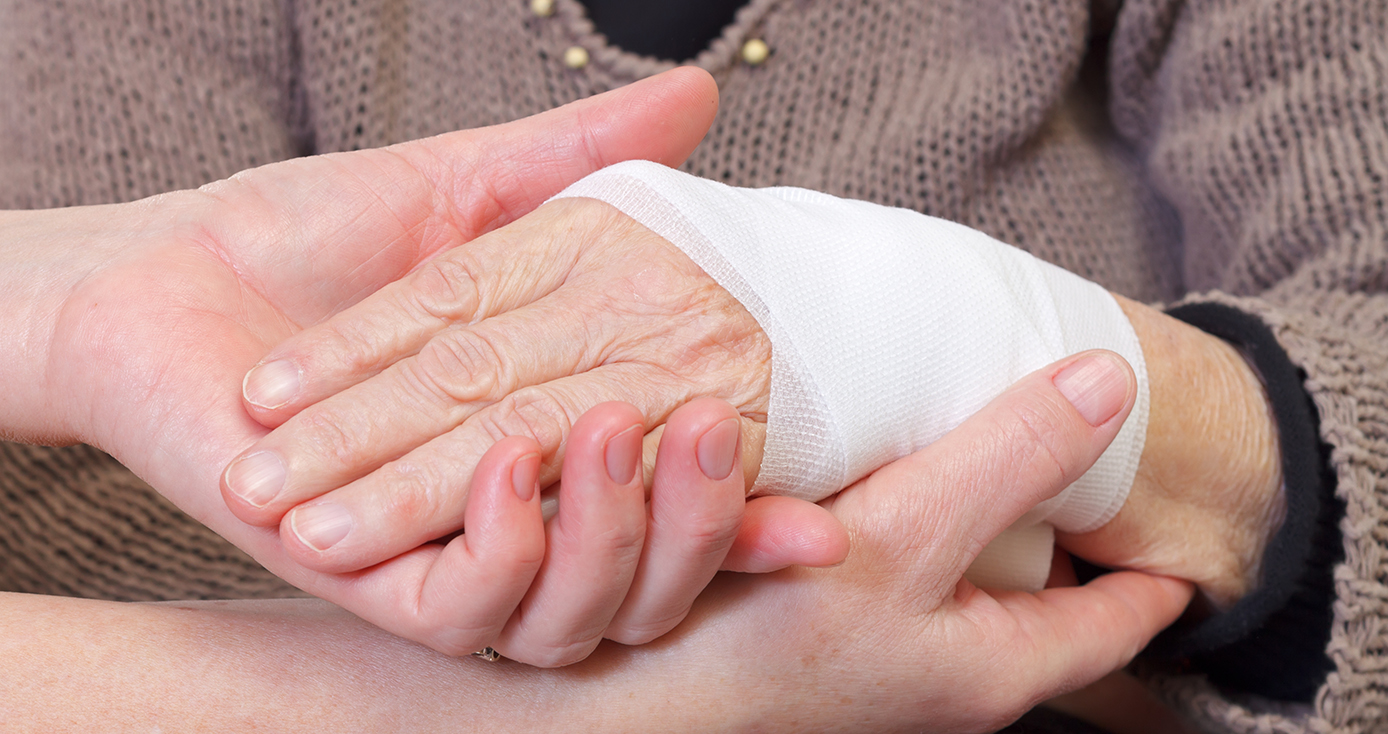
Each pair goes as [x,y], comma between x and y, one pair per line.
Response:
[1272,642]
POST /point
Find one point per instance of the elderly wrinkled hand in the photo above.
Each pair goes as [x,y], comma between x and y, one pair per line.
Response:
[384,410]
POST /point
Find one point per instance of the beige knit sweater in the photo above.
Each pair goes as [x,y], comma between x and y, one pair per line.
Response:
[1233,149]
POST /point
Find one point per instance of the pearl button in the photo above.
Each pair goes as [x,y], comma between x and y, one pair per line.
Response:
[755,51]
[576,57]
[542,8]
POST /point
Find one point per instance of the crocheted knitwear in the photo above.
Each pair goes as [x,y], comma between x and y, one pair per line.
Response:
[1233,150]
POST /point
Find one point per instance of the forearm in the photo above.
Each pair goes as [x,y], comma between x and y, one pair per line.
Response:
[295,665]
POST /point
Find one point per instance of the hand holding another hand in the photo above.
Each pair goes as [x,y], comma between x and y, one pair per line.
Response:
[895,638]
[135,323]
[517,333]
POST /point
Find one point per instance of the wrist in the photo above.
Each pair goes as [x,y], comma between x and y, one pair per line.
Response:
[1208,493]
[46,256]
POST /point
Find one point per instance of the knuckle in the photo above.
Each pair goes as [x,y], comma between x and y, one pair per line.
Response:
[707,533]
[509,557]
[534,412]
[446,288]
[354,350]
[413,494]
[343,442]
[1045,451]
[622,543]
[617,545]
[461,365]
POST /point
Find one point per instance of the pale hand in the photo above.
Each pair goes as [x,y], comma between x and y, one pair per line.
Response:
[895,638]
[134,324]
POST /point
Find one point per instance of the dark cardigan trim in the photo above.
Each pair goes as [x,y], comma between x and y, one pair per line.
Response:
[1272,642]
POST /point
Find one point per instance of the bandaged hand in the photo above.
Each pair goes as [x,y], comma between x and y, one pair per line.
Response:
[383,410]
[887,329]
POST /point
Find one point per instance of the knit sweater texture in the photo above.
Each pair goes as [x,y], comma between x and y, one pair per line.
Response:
[1213,150]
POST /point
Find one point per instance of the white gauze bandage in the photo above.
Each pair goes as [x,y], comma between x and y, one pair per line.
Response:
[888,328]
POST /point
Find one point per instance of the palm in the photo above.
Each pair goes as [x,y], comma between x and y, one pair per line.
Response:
[168,330]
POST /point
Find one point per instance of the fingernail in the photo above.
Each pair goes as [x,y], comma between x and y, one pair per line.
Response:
[716,449]
[320,527]
[549,507]
[623,451]
[523,475]
[271,385]
[1097,386]
[257,478]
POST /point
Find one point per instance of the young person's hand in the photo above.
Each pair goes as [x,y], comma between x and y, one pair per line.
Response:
[610,564]
[133,325]
[895,638]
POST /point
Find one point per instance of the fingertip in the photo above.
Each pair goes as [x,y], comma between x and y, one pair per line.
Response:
[311,531]
[703,439]
[269,388]
[1099,384]
[661,118]
[525,475]
[610,433]
[1169,598]
[821,542]
[781,531]
[1161,598]
[249,485]
[1101,626]
[700,97]
[512,463]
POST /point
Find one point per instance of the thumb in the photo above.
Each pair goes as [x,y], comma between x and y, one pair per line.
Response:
[1082,633]
[783,531]
[304,231]
[497,174]
[1028,444]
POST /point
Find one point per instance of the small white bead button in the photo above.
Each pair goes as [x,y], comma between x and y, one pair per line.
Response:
[576,57]
[755,51]
[542,8]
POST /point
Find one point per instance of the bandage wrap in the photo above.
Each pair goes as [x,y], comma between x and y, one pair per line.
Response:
[888,328]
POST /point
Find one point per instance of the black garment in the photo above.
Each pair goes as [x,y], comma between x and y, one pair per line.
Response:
[676,30]
[1041,720]
[1273,641]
